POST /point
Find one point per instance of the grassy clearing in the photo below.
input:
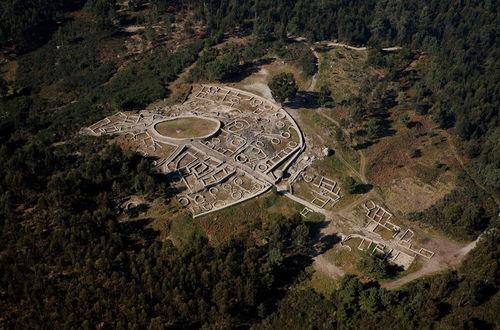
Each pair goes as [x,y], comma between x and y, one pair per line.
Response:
[342,71]
[313,122]
[220,226]
[181,128]
[345,259]
[319,281]
[347,199]
[175,223]
[160,214]
[277,67]
[385,233]
[412,183]
[332,167]
[183,228]
[8,70]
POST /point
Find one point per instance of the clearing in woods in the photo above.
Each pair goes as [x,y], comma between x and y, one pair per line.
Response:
[225,145]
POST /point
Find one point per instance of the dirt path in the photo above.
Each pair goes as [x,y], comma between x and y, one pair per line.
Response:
[260,86]
[307,204]
[448,253]
[133,28]
[362,166]
[314,80]
[451,255]
[339,44]
[349,207]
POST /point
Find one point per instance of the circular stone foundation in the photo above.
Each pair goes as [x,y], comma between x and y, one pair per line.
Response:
[187,128]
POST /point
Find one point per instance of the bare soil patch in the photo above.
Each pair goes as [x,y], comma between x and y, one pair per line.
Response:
[450,254]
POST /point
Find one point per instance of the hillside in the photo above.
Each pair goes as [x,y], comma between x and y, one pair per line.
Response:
[249,164]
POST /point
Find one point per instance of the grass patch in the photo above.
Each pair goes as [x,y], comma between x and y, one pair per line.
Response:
[342,71]
[332,166]
[303,80]
[183,228]
[315,123]
[313,119]
[315,217]
[189,127]
[220,226]
[384,233]
[319,281]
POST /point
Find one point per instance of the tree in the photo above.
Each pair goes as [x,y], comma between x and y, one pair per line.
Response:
[444,116]
[325,97]
[339,135]
[414,153]
[283,87]
[373,128]
[359,113]
[349,184]
[275,257]
[280,32]
[223,68]
[150,33]
[404,118]
[262,30]
[308,63]
[374,266]
[370,300]
[102,13]
[376,57]
[401,98]
[188,28]
[4,88]
[464,129]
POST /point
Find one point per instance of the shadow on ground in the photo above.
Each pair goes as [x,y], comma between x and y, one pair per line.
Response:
[137,233]
[248,69]
[304,99]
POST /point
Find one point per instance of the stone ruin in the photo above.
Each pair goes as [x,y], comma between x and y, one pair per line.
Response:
[254,143]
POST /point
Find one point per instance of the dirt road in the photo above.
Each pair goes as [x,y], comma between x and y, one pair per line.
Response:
[314,80]
[339,44]
[451,254]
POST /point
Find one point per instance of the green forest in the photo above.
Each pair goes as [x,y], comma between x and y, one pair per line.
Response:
[66,261]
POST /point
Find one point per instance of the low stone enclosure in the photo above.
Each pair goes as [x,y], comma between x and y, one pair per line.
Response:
[224,146]
[379,217]
[250,144]
[398,249]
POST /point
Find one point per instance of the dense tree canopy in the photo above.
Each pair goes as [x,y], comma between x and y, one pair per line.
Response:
[26,23]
